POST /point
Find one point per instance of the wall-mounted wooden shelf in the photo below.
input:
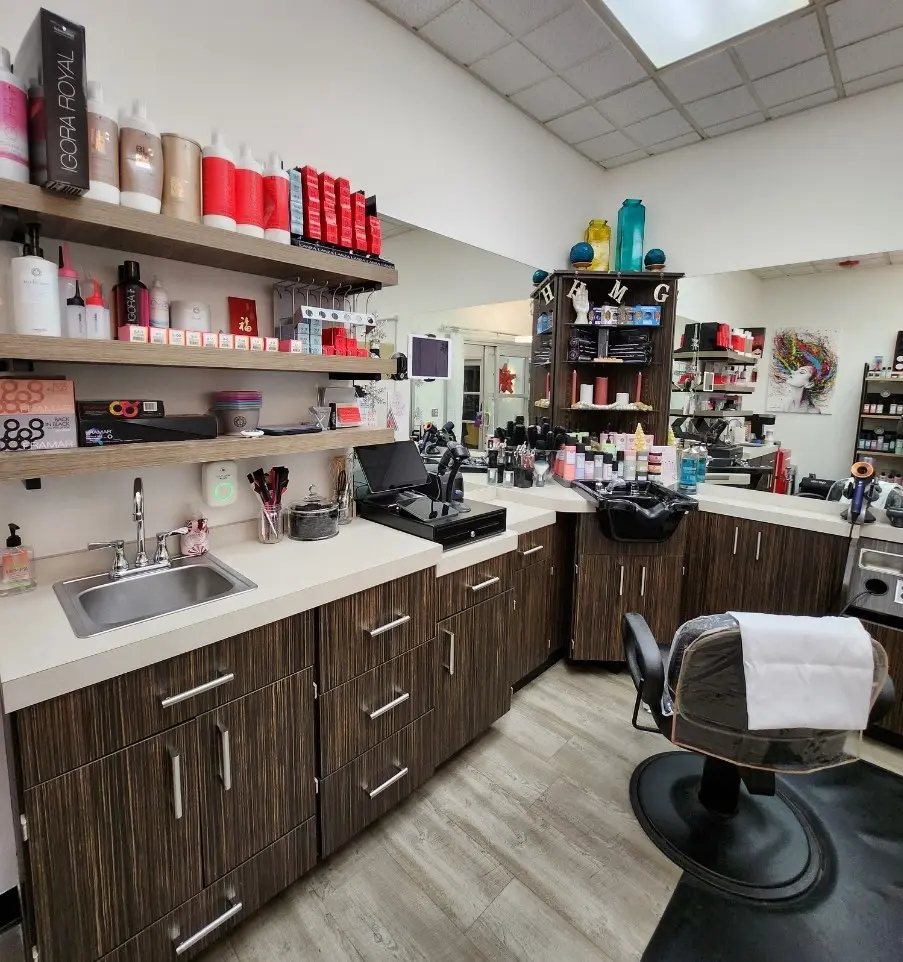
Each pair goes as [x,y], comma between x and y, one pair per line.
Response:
[718,390]
[880,454]
[709,415]
[884,380]
[134,231]
[880,417]
[77,351]
[726,357]
[610,410]
[611,361]
[44,464]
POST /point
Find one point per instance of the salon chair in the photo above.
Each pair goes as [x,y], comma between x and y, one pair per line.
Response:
[717,809]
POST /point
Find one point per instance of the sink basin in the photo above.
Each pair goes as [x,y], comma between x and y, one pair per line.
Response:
[96,604]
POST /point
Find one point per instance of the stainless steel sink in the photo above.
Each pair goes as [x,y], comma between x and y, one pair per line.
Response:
[96,604]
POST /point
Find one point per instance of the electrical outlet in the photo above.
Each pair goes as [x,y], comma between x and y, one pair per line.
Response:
[898,593]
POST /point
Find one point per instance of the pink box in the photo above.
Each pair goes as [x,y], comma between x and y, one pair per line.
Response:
[242,342]
[293,347]
[133,333]
[194,339]
[158,335]
[176,338]
[226,341]
[256,343]
[271,343]
[208,340]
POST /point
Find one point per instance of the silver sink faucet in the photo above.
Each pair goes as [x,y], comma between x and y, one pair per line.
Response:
[141,559]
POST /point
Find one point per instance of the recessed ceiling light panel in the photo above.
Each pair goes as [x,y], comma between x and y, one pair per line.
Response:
[669,30]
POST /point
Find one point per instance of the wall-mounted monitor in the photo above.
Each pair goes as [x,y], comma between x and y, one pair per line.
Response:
[429,358]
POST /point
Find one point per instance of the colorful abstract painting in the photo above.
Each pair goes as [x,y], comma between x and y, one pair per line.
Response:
[803,372]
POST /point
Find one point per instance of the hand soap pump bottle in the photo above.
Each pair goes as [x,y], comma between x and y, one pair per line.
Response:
[35,290]
[16,565]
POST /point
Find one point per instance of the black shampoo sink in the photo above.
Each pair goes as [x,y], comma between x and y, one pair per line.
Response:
[636,511]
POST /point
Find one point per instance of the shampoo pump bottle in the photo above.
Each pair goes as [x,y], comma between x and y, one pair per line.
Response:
[76,325]
[140,161]
[103,147]
[35,289]
[16,565]
[13,123]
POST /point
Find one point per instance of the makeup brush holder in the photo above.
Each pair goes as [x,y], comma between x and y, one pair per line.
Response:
[269,525]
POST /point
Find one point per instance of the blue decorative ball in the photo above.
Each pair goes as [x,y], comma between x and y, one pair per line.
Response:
[582,255]
[655,259]
[539,276]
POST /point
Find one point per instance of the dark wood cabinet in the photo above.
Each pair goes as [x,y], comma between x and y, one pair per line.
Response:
[473,689]
[660,591]
[608,588]
[114,845]
[536,545]
[257,771]
[892,641]
[530,637]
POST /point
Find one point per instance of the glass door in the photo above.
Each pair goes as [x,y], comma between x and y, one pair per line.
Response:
[472,406]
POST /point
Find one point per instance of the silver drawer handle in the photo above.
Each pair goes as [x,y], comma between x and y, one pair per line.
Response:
[400,700]
[758,544]
[736,536]
[226,749]
[484,584]
[530,551]
[643,583]
[193,940]
[621,587]
[403,620]
[194,692]
[176,761]
[397,777]
[451,651]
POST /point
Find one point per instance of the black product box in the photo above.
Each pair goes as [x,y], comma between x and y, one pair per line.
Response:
[52,61]
[120,409]
[115,430]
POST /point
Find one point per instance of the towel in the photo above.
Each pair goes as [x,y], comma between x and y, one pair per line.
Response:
[806,672]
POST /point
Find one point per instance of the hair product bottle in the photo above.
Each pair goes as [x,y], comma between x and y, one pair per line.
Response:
[103,147]
[131,298]
[13,123]
[275,202]
[35,291]
[76,323]
[68,282]
[159,305]
[218,184]
[140,161]
[248,194]
[97,315]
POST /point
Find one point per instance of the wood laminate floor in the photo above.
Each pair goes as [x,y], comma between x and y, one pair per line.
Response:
[522,847]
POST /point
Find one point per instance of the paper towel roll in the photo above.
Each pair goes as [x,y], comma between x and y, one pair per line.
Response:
[586,394]
[600,394]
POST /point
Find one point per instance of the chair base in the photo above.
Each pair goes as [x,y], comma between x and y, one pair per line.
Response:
[767,851]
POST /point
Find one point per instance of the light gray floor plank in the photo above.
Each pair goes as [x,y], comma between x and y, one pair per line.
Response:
[515,769]
[520,927]
[523,727]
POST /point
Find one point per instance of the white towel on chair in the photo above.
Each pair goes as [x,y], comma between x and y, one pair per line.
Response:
[806,672]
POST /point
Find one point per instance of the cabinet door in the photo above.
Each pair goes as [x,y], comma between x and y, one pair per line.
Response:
[473,688]
[530,640]
[892,641]
[114,846]
[257,764]
[661,580]
[725,567]
[607,588]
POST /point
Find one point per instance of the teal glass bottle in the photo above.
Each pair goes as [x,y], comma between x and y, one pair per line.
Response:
[631,228]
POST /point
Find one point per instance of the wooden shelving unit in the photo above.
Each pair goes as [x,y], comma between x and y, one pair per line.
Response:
[728,357]
[20,466]
[871,391]
[77,351]
[120,228]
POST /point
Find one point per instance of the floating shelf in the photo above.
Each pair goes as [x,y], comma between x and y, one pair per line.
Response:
[711,414]
[735,390]
[121,228]
[727,357]
[884,380]
[880,454]
[881,417]
[613,363]
[44,464]
[79,351]
[610,410]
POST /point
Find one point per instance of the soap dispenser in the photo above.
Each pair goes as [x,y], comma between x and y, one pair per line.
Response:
[35,290]
[16,565]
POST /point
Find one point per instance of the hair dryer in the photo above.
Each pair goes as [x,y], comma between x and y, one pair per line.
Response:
[859,491]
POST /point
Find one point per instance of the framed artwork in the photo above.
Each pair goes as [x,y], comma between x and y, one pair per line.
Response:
[803,373]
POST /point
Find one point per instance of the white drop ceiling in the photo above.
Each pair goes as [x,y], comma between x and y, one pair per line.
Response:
[570,66]
[866,261]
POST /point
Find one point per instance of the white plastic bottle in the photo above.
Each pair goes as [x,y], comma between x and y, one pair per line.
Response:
[67,279]
[97,315]
[13,123]
[276,225]
[159,305]
[140,161]
[103,147]
[218,184]
[34,289]
[248,194]
[76,323]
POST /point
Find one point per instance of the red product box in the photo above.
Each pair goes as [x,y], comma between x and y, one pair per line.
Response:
[329,351]
[363,352]
[329,225]
[343,212]
[351,346]
[359,208]
[310,195]
[374,236]
[336,339]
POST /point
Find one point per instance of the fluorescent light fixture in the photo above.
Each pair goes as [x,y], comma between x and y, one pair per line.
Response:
[523,339]
[670,30]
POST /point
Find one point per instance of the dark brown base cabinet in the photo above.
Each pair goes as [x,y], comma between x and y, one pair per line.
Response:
[530,638]
[892,640]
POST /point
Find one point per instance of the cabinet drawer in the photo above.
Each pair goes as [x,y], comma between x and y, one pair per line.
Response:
[534,546]
[372,627]
[469,586]
[64,733]
[356,795]
[357,715]
[251,885]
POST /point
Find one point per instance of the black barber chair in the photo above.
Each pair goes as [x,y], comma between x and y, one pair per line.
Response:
[716,810]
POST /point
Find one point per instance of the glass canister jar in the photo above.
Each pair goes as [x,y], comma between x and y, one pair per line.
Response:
[313,519]
[598,236]
[631,233]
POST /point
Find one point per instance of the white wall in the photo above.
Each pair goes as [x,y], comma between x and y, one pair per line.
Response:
[339,85]
[816,185]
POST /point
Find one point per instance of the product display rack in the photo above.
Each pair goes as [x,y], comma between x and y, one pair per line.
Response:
[551,382]
[699,359]
[881,391]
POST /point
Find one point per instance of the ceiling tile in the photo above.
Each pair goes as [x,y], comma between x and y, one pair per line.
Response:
[852,20]
[609,70]
[702,78]
[684,141]
[548,99]
[511,69]
[464,32]
[635,103]
[731,104]
[874,82]
[874,55]
[656,130]
[630,158]
[571,37]
[804,103]
[520,16]
[582,124]
[716,130]
[800,81]
[607,146]
[781,47]
[415,13]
